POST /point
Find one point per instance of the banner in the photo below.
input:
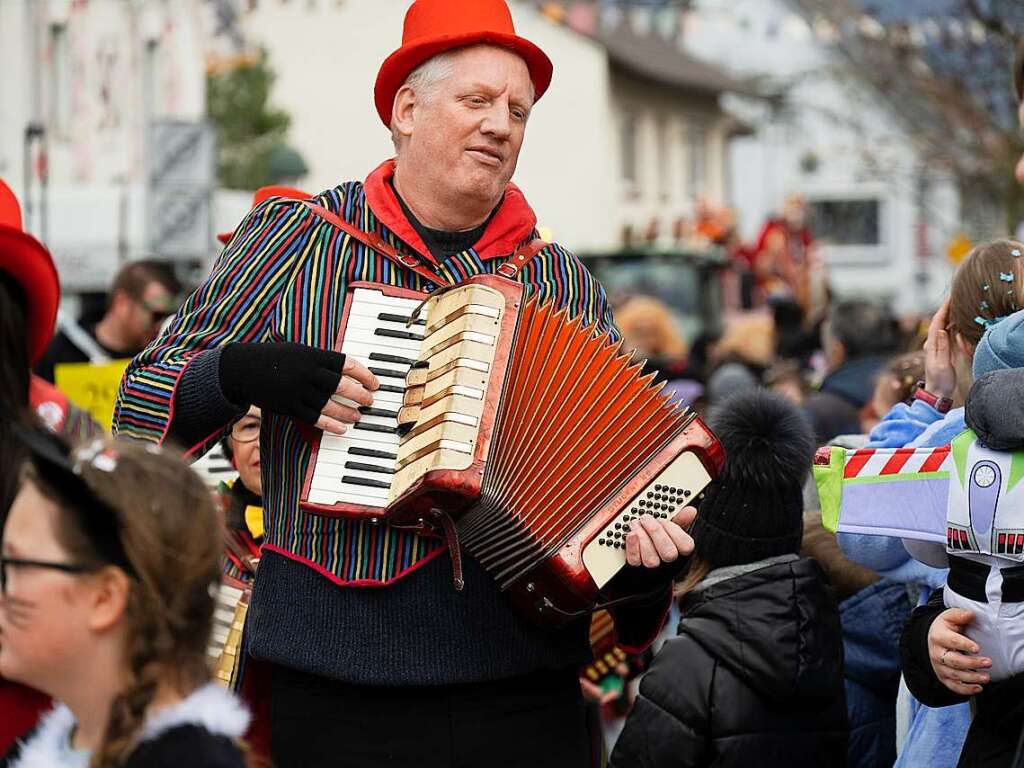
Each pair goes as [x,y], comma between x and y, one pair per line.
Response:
[92,388]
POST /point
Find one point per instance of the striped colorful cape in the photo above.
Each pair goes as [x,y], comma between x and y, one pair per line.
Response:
[283,277]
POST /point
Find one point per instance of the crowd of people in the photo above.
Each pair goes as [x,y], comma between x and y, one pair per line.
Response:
[147,621]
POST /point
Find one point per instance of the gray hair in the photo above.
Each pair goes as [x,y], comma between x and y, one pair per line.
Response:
[425,80]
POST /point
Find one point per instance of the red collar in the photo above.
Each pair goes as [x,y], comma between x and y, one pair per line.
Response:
[509,227]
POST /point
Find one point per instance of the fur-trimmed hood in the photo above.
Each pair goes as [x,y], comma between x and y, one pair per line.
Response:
[211,707]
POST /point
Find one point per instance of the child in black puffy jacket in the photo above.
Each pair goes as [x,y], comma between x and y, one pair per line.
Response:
[755,675]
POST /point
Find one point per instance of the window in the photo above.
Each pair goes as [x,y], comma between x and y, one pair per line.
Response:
[628,149]
[846,222]
[696,160]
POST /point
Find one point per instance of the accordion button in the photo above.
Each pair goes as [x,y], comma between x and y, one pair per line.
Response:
[657,487]
[687,494]
[618,526]
[600,542]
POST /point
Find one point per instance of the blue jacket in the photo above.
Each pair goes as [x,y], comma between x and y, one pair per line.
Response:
[936,735]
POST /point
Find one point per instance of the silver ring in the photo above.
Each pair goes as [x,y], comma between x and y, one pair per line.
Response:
[942,658]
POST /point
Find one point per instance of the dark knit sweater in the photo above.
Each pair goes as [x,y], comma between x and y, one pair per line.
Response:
[416,631]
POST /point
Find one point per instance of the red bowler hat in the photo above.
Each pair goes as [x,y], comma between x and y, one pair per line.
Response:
[26,260]
[436,26]
[265,193]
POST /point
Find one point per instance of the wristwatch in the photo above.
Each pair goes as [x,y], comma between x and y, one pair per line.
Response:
[940,404]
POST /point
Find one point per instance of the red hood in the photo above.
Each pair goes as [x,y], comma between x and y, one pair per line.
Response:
[509,227]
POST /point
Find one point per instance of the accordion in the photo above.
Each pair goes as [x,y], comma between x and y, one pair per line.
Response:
[536,434]
[225,646]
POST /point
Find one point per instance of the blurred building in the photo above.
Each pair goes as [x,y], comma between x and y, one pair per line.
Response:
[82,81]
[884,212]
[630,135]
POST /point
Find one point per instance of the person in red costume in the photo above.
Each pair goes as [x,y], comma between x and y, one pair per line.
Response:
[782,262]
[29,294]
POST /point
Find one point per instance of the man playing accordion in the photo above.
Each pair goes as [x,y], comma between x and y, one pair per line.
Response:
[374,658]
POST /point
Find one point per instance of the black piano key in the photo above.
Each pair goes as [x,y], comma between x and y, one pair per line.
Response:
[387,373]
[387,317]
[390,388]
[364,481]
[375,428]
[367,410]
[371,453]
[368,467]
[380,357]
[409,335]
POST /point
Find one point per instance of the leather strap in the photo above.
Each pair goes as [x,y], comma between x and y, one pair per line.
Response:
[375,242]
[521,258]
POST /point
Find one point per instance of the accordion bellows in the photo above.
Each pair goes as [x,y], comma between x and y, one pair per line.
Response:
[538,435]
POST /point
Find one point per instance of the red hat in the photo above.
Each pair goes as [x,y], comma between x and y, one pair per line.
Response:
[26,260]
[265,193]
[436,26]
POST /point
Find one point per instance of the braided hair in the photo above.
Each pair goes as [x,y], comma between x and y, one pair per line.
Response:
[172,537]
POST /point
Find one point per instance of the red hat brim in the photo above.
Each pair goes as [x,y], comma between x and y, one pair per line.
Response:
[26,260]
[400,64]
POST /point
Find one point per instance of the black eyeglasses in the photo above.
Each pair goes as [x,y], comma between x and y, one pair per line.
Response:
[6,562]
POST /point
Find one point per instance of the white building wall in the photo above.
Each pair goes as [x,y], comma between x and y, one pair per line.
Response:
[326,57]
[862,150]
[79,70]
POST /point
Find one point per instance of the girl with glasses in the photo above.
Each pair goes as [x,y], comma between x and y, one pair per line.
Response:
[108,562]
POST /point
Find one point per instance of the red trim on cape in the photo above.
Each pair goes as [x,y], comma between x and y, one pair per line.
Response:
[513,223]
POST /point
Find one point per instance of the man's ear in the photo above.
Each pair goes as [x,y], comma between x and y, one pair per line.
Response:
[402,113]
[109,598]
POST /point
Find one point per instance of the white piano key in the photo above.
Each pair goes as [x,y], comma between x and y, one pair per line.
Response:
[356,494]
[329,498]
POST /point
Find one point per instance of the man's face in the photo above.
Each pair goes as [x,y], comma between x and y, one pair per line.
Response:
[143,317]
[466,137]
[1020,163]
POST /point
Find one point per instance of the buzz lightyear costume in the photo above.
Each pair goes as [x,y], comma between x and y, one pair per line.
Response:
[960,505]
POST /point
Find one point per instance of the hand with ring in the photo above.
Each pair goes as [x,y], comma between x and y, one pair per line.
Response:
[953,655]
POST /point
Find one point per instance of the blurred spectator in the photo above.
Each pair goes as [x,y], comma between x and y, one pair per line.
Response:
[741,356]
[782,261]
[896,383]
[29,294]
[648,328]
[749,339]
[755,674]
[729,379]
[795,338]
[855,338]
[142,296]
[242,499]
[785,378]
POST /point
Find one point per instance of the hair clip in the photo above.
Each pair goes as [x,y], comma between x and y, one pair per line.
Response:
[1015,253]
[984,287]
[1006,277]
[96,454]
[982,322]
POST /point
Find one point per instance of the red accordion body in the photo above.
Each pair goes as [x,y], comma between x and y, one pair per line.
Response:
[536,434]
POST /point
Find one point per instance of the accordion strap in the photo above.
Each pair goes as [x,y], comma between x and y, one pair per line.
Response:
[375,242]
[521,258]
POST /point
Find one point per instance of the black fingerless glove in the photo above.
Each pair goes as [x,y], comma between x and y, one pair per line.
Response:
[285,378]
